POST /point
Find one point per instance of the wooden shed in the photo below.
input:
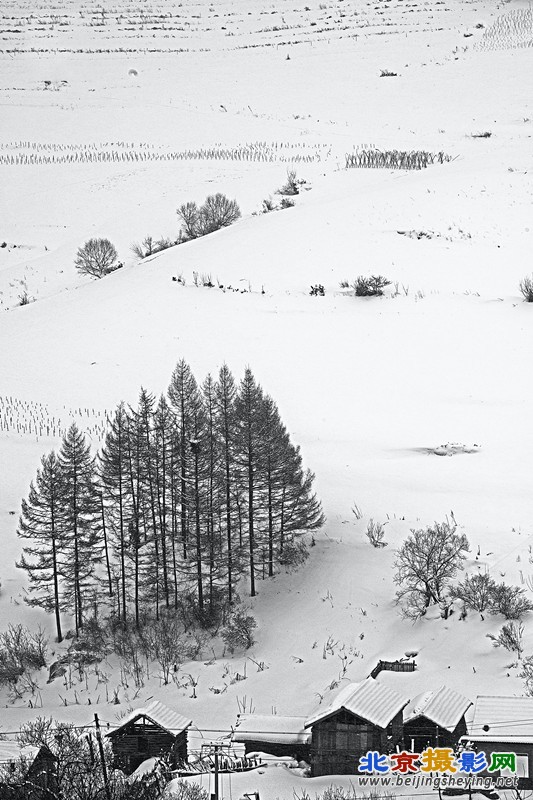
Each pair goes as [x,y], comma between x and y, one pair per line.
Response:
[149,732]
[435,719]
[34,764]
[275,734]
[504,725]
[362,716]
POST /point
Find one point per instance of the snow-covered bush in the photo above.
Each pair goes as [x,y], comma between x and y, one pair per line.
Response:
[218,211]
[475,592]
[510,637]
[92,645]
[149,246]
[238,631]
[163,641]
[509,601]
[425,564]
[375,532]
[294,553]
[24,298]
[185,790]
[97,258]
[370,287]
[291,186]
[21,650]
[526,287]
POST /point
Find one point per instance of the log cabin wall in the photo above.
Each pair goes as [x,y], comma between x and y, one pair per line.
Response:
[43,770]
[339,741]
[423,732]
[141,739]
[523,750]
[298,751]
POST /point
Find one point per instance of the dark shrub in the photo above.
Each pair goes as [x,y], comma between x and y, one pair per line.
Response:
[370,287]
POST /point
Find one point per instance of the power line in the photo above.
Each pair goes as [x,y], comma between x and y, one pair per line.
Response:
[225,732]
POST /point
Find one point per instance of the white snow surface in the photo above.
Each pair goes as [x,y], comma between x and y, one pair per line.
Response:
[370,388]
[271,728]
[368,700]
[159,714]
[507,717]
[442,706]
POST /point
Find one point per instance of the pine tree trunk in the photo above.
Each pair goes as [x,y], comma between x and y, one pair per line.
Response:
[56,580]
[227,460]
[198,534]
[251,509]
[174,528]
[270,524]
[108,565]
[161,493]
[152,512]
[78,610]
[121,534]
[136,581]
[282,522]
[183,476]
[137,540]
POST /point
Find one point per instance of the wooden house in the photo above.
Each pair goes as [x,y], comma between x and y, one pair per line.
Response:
[504,725]
[435,719]
[362,716]
[274,734]
[149,732]
[31,764]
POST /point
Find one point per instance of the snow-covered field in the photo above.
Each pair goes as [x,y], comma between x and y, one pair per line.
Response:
[368,387]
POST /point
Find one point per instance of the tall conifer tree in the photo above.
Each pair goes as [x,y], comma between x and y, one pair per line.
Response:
[249,407]
[42,523]
[113,473]
[82,530]
[182,392]
[225,394]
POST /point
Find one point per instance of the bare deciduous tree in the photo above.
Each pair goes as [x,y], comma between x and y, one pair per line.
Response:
[97,258]
[425,563]
[509,601]
[475,591]
[218,211]
[188,213]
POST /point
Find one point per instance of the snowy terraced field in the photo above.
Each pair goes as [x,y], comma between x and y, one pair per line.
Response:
[189,26]
[415,405]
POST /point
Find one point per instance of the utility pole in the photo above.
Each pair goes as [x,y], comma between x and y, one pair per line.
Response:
[102,757]
[216,772]
[215,794]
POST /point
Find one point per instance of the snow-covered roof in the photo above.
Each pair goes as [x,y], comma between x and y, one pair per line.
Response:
[12,751]
[369,700]
[502,719]
[271,728]
[159,714]
[443,706]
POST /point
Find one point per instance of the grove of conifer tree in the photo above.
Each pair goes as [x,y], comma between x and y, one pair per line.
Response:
[188,495]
